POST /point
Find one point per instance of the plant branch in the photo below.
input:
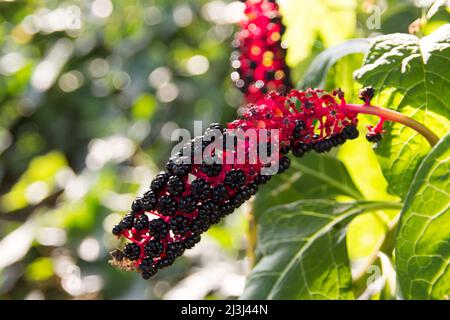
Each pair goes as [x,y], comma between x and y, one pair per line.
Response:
[391,115]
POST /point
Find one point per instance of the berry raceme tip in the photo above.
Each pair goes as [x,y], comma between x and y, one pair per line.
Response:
[259,59]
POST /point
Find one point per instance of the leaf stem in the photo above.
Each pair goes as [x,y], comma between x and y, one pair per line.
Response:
[394,116]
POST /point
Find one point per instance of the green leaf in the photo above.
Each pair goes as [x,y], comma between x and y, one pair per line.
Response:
[409,75]
[316,75]
[305,21]
[303,249]
[366,232]
[423,238]
[314,176]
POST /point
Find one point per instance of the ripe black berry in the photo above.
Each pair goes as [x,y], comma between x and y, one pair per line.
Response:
[158,228]
[137,205]
[300,149]
[141,223]
[226,209]
[179,166]
[117,230]
[132,251]
[350,132]
[209,212]
[179,224]
[191,241]
[320,146]
[153,248]
[175,249]
[262,179]
[235,179]
[299,126]
[200,189]
[219,193]
[199,225]
[127,222]
[333,141]
[209,215]
[366,94]
[237,200]
[160,181]
[176,185]
[165,262]
[374,137]
[323,146]
[149,200]
[187,204]
[284,164]
[167,205]
[211,170]
[284,149]
[246,194]
[147,268]
[253,188]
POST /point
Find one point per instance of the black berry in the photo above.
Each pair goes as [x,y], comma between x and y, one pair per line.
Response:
[132,251]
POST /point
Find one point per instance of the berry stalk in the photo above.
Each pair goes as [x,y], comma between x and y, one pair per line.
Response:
[394,116]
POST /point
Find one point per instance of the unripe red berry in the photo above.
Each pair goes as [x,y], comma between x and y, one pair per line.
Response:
[259,60]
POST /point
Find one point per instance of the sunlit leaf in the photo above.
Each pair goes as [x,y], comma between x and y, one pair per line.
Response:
[366,232]
[303,250]
[317,72]
[408,74]
[331,21]
[423,239]
[314,176]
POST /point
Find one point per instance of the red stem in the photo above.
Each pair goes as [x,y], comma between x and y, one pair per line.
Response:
[391,115]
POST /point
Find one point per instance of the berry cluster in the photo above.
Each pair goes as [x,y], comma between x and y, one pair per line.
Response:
[259,59]
[191,196]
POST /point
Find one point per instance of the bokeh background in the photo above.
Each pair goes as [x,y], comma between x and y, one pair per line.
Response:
[90,92]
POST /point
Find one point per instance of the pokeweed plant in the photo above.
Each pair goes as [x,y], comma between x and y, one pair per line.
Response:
[301,250]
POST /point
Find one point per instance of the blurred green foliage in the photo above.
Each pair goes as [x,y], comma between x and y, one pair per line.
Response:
[90,92]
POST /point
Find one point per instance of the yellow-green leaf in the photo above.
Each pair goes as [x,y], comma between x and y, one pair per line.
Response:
[410,77]
[423,239]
